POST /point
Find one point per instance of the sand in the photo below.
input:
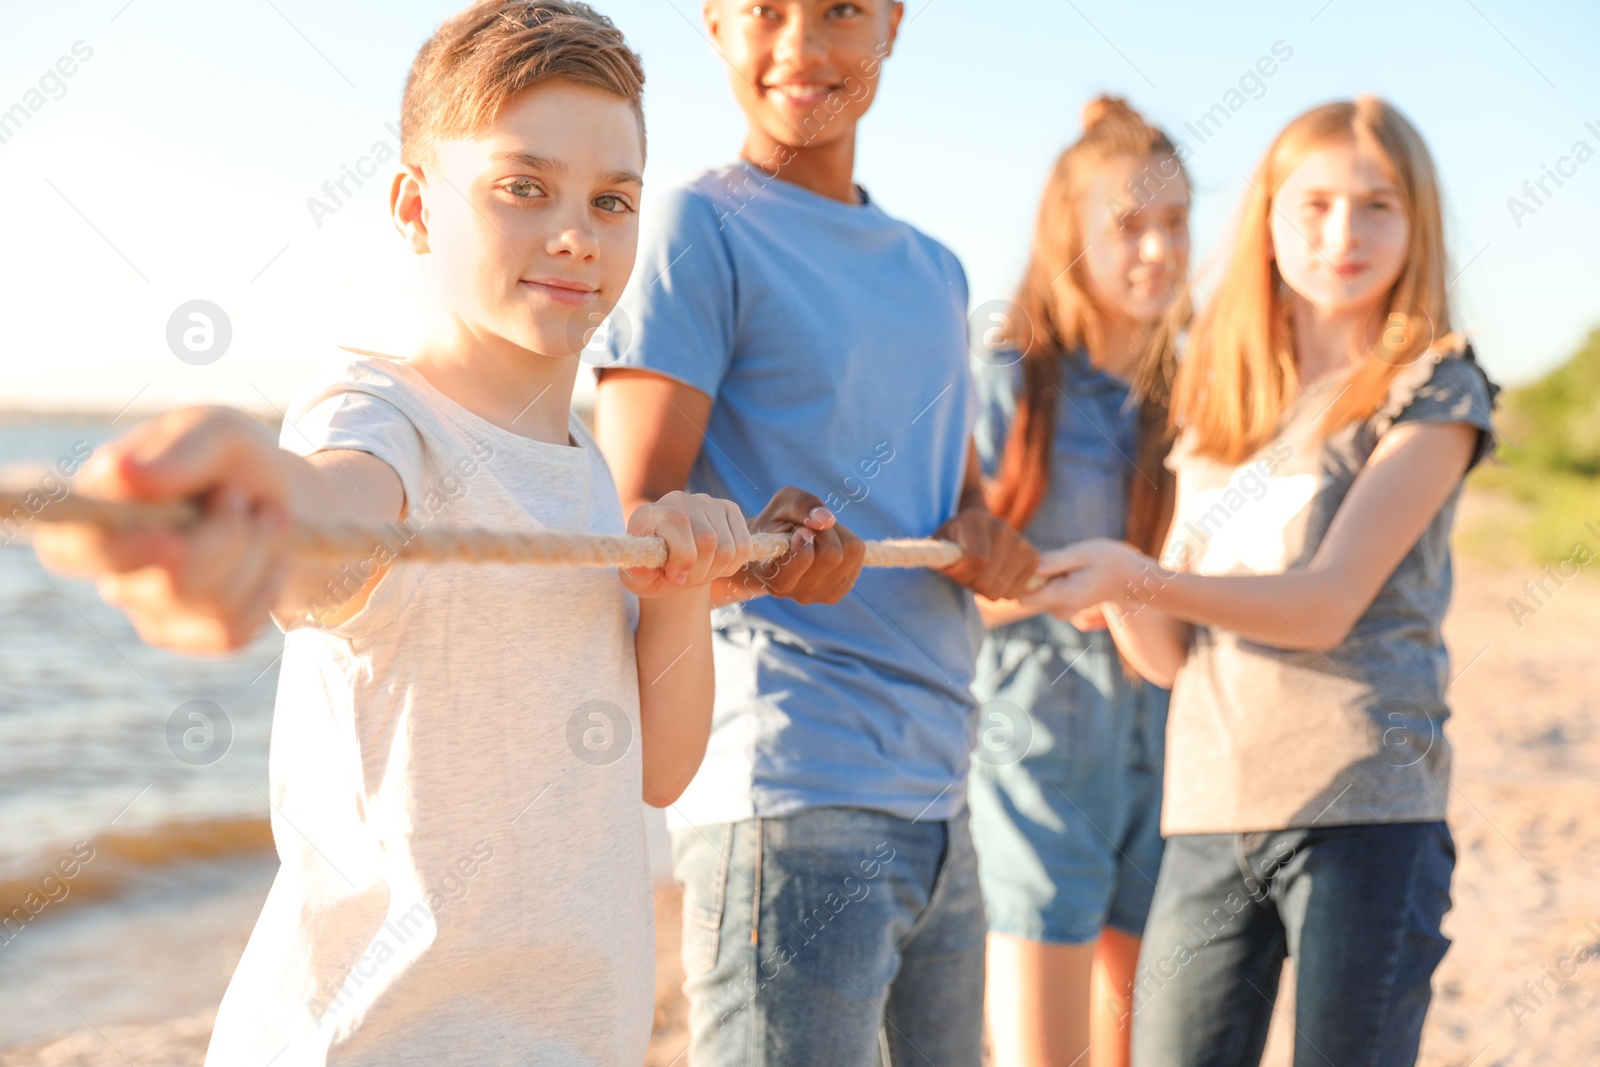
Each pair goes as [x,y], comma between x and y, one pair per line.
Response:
[1525,811]
[181,1042]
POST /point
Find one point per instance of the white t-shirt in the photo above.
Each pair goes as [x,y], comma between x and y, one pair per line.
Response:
[455,775]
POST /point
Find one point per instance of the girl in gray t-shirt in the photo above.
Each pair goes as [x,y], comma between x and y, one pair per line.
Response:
[1328,417]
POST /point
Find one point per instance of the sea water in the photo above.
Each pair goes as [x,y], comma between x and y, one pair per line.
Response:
[117,846]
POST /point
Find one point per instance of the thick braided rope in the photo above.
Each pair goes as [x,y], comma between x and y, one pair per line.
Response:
[457,545]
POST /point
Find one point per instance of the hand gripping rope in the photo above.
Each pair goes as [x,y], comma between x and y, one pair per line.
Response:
[550,548]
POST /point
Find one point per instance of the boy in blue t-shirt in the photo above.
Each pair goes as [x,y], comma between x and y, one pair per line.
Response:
[783,331]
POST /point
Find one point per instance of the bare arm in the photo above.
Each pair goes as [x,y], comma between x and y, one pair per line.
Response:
[650,428]
[350,486]
[673,648]
[706,539]
[1000,612]
[1408,478]
[210,588]
[1153,641]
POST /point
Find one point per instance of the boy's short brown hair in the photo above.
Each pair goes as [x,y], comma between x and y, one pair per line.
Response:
[481,58]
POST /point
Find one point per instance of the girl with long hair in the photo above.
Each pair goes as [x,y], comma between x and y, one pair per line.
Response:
[1328,416]
[1066,784]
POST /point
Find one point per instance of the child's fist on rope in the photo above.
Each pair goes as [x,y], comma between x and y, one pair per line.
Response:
[706,539]
[1085,576]
[824,558]
[204,588]
[212,585]
[996,562]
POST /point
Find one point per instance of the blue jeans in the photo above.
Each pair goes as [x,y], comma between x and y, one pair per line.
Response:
[1357,908]
[834,936]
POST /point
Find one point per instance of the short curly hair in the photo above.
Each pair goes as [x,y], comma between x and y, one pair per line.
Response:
[481,58]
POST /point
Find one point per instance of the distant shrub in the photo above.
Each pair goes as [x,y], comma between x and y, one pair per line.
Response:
[1556,420]
[1547,475]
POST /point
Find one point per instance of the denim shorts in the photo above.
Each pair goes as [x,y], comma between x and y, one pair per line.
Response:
[835,936]
[1065,789]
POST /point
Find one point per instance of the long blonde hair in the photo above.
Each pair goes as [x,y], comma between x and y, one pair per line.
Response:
[1239,375]
[1057,316]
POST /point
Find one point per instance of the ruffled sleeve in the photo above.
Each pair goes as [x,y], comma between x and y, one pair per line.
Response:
[1443,385]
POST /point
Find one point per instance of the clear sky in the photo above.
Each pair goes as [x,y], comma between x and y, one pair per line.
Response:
[176,160]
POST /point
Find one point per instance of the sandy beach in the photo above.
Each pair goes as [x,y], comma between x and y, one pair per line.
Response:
[181,1042]
[1517,988]
[1525,793]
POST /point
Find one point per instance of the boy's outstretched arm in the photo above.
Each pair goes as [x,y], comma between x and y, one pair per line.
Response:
[210,588]
[707,539]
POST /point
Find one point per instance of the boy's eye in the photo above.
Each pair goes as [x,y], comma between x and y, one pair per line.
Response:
[843,11]
[612,204]
[765,11]
[523,188]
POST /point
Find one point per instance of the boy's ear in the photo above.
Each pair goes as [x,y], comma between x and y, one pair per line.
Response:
[406,209]
[896,11]
[712,17]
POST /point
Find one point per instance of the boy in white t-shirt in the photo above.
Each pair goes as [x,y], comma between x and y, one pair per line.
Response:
[454,773]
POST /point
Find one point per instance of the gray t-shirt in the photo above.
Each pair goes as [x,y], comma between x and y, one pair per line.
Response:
[1264,738]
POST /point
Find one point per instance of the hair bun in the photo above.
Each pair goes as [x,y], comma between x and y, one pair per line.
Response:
[1101,108]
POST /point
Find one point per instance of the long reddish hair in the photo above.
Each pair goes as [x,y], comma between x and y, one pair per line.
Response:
[1055,315]
[1239,374]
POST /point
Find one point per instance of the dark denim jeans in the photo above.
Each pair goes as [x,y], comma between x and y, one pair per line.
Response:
[835,937]
[1357,908]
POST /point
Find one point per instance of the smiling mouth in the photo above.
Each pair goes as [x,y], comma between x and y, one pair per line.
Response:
[801,94]
[561,291]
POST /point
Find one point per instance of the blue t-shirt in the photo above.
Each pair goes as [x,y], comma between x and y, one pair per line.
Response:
[833,342]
